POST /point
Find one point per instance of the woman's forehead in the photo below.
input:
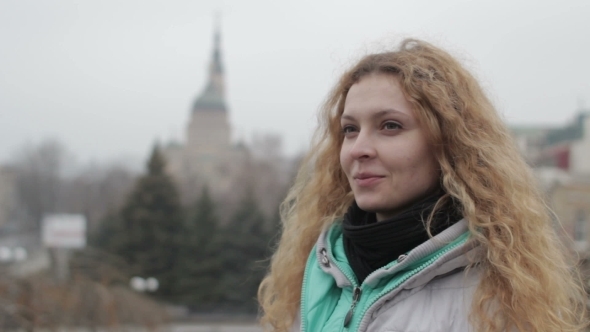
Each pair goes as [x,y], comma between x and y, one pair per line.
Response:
[376,94]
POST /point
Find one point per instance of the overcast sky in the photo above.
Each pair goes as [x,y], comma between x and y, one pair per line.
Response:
[108,78]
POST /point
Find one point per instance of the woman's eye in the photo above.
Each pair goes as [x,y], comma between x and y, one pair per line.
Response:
[348,129]
[391,126]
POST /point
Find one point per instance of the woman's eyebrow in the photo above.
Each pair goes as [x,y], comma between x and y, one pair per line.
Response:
[377,114]
[391,111]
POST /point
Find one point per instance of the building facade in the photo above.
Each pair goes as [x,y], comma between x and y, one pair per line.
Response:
[580,149]
[570,201]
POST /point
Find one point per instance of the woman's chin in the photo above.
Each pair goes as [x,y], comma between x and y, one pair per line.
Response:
[369,206]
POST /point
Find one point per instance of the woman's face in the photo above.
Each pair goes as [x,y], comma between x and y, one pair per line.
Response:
[385,155]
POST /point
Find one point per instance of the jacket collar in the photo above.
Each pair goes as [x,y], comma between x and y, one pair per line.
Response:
[330,255]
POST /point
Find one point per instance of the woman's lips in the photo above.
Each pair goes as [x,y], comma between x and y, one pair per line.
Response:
[367,180]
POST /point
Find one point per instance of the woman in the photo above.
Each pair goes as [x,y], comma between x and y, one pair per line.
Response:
[415,212]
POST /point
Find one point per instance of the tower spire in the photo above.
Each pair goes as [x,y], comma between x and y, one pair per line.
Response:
[213,96]
[216,65]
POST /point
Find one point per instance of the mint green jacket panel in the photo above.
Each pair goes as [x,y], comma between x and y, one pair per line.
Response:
[392,298]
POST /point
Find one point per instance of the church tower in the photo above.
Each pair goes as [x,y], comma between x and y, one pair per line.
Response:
[208,130]
[207,155]
[207,141]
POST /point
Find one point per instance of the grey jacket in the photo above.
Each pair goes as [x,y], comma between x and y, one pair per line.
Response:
[429,289]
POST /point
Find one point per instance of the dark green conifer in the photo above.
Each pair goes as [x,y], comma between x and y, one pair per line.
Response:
[245,255]
[149,236]
[200,261]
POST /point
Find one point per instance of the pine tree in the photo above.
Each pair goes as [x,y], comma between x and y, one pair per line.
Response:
[152,226]
[245,245]
[201,265]
[110,235]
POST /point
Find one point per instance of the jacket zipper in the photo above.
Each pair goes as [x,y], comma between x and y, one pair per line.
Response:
[356,290]
[326,261]
[356,295]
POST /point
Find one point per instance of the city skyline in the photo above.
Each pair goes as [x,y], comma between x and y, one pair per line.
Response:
[108,80]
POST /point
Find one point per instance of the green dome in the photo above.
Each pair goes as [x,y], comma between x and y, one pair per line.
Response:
[210,100]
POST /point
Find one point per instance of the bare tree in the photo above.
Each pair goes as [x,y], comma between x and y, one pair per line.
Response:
[48,180]
[38,179]
[96,191]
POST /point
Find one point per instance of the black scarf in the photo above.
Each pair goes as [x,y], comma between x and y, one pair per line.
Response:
[370,245]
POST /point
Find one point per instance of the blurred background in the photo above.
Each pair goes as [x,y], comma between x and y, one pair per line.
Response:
[145,145]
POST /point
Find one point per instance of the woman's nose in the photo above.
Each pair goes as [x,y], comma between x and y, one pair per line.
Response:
[363,146]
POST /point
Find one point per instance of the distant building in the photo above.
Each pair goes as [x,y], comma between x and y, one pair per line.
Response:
[7,195]
[531,141]
[566,148]
[580,148]
[207,155]
[561,160]
[570,201]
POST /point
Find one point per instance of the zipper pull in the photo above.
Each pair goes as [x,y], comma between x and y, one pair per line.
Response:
[356,294]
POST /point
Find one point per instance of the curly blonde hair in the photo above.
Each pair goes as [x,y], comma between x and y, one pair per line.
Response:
[528,282]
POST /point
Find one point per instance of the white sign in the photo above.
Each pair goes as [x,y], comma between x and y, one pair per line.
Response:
[64,231]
